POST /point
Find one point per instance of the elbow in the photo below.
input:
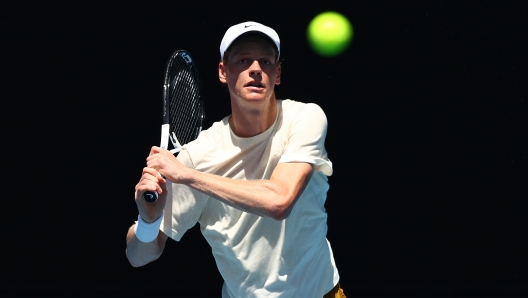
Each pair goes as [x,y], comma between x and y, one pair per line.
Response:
[282,210]
[139,253]
[138,261]
[280,215]
[132,260]
[135,260]
[137,257]
[135,265]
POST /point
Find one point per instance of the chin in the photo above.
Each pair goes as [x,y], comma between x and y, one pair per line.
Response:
[253,96]
[256,99]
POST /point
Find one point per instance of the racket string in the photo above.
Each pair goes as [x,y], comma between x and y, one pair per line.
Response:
[185,105]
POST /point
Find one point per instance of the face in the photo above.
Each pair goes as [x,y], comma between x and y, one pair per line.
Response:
[250,71]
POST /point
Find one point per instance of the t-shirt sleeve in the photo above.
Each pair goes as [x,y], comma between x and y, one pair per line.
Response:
[184,205]
[306,137]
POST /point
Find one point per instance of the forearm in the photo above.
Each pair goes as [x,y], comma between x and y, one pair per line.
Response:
[141,253]
[260,197]
[271,198]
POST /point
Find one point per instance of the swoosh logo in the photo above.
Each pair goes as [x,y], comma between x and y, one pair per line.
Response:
[249,26]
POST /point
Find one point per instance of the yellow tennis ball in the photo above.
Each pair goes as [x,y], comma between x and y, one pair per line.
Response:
[329,33]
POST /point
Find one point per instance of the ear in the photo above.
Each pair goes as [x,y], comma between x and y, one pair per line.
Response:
[222,73]
[278,79]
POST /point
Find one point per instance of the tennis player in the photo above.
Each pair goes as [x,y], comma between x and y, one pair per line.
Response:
[256,182]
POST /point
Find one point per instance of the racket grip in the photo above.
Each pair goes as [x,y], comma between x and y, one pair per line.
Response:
[150,196]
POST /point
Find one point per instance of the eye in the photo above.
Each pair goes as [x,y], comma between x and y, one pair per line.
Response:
[241,61]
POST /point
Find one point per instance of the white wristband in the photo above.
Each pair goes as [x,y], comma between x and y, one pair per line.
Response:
[147,232]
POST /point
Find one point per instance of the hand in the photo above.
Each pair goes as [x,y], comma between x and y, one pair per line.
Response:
[151,181]
[166,163]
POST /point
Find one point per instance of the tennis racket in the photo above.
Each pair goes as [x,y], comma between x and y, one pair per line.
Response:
[183,108]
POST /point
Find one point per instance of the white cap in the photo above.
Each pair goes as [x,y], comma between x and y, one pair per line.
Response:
[235,31]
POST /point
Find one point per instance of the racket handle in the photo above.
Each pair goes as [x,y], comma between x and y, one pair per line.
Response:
[150,196]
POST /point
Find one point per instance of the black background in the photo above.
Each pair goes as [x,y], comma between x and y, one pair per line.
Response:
[428,134]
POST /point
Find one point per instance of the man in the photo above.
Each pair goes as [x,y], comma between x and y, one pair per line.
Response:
[255,181]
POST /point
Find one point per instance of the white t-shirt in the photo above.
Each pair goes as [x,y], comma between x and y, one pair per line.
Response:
[259,256]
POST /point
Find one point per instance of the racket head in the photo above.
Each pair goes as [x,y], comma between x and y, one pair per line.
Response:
[183,106]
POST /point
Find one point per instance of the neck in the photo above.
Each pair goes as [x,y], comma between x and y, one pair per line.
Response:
[254,119]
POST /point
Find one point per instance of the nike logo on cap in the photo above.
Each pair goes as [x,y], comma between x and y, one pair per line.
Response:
[249,26]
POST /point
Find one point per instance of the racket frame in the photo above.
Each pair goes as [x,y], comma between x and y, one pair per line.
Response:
[166,132]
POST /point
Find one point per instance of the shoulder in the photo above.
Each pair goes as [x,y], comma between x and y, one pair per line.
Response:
[300,112]
[295,107]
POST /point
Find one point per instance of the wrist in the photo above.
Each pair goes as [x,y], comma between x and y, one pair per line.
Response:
[147,232]
[189,176]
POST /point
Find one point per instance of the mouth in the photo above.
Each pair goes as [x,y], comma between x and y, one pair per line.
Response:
[254,84]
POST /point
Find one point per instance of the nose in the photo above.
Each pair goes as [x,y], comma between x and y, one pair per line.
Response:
[255,69]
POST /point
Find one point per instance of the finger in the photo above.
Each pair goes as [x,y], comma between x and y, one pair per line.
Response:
[162,183]
[147,178]
[142,188]
[154,164]
[153,156]
[151,171]
[149,184]
[150,175]
[154,150]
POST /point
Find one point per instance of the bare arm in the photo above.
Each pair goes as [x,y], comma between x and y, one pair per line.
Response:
[141,253]
[273,198]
